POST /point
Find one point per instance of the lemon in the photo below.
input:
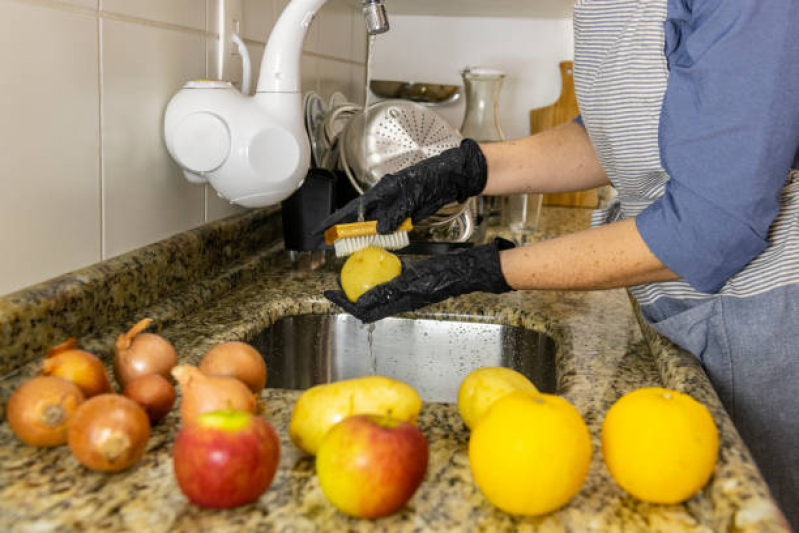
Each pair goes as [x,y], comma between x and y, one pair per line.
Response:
[530,453]
[368,268]
[659,445]
[484,386]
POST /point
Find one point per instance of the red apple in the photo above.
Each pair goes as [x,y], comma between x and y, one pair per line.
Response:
[225,458]
[369,466]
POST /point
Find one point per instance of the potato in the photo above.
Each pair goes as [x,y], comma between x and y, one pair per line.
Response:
[321,407]
[482,387]
[368,268]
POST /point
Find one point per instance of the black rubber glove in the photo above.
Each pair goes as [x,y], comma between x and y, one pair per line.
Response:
[419,190]
[429,281]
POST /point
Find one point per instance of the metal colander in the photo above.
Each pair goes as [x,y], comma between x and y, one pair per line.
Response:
[393,135]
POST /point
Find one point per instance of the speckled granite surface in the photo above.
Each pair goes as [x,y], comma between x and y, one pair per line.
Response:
[603,353]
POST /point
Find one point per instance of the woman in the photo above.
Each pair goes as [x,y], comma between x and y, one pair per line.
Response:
[690,109]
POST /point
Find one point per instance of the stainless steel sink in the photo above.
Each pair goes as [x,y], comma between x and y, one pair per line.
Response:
[433,356]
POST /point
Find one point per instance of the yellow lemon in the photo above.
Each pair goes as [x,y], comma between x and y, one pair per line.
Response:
[660,445]
[530,453]
[484,386]
[368,268]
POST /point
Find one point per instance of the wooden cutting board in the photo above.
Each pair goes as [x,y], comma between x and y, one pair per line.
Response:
[563,110]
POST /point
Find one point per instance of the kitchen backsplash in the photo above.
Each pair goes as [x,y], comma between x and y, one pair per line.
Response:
[85,173]
[527,49]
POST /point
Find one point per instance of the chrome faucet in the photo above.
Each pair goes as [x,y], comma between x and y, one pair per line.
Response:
[374,11]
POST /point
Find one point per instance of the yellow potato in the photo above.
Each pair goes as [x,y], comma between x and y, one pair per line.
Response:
[484,386]
[321,407]
[368,268]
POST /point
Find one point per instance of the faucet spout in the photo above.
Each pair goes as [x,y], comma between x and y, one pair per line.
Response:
[374,11]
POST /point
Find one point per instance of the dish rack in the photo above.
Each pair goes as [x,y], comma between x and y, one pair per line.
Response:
[390,136]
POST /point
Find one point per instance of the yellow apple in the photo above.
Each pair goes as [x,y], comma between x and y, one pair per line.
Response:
[368,268]
[323,406]
[484,386]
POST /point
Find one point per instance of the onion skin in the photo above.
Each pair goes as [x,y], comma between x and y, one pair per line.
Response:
[108,433]
[140,354]
[153,393]
[78,366]
[202,394]
[39,411]
[236,360]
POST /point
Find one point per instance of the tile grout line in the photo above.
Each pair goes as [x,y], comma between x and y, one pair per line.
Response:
[101,127]
[205,59]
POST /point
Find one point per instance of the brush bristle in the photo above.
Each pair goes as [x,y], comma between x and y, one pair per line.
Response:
[392,241]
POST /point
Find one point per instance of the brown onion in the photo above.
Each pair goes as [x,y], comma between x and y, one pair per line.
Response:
[78,366]
[236,360]
[108,433]
[153,393]
[140,354]
[201,393]
[40,409]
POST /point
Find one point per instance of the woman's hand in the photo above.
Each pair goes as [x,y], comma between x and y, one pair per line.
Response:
[420,190]
[429,281]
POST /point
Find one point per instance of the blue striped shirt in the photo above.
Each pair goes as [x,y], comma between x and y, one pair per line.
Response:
[728,134]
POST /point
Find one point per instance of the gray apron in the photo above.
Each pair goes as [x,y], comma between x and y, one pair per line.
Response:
[746,335]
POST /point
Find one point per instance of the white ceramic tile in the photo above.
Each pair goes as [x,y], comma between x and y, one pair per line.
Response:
[312,41]
[49,144]
[259,17]
[359,36]
[358,83]
[334,76]
[256,54]
[90,4]
[190,13]
[146,197]
[336,29]
[279,6]
[219,207]
[309,78]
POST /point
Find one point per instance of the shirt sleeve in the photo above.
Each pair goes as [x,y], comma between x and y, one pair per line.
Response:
[729,131]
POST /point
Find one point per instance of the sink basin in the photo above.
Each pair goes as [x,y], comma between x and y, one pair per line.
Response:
[433,356]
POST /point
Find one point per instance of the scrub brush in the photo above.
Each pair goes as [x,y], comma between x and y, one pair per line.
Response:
[349,238]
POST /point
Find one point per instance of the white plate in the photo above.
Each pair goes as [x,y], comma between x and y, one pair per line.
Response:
[314,111]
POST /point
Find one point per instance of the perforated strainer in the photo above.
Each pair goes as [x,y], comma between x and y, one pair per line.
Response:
[393,135]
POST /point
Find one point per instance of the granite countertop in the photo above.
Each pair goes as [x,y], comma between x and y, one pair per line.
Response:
[231,280]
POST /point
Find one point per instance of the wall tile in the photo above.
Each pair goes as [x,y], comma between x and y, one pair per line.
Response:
[334,76]
[259,17]
[217,207]
[190,13]
[256,55]
[90,4]
[146,197]
[359,36]
[49,144]
[336,29]
[358,83]
[310,73]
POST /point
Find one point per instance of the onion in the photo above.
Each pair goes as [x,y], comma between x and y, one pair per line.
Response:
[40,409]
[80,367]
[153,393]
[236,360]
[202,394]
[140,354]
[108,433]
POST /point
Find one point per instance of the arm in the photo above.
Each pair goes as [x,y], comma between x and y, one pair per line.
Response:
[561,159]
[606,257]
